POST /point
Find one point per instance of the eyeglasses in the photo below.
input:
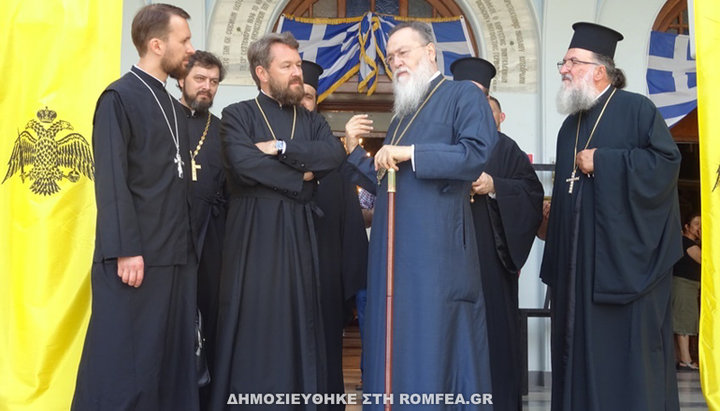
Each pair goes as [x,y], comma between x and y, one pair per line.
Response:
[572,62]
[402,54]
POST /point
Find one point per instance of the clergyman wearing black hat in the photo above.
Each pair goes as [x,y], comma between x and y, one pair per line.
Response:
[475,69]
[613,237]
[507,210]
[311,76]
[342,248]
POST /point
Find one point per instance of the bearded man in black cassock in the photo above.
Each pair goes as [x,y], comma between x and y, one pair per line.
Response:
[507,210]
[207,188]
[270,331]
[613,237]
[138,352]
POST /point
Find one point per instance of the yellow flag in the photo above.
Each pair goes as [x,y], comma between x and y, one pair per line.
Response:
[707,43]
[57,57]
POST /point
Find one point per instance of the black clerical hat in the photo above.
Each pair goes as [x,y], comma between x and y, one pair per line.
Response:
[475,69]
[311,73]
[596,38]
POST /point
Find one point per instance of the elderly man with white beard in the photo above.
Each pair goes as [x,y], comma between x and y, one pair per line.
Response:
[438,142]
[613,237]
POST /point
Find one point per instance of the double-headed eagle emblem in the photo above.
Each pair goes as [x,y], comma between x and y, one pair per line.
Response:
[47,156]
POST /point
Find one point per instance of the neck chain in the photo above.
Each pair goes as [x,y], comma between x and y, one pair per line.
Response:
[292,134]
[395,138]
[176,134]
[573,178]
[194,166]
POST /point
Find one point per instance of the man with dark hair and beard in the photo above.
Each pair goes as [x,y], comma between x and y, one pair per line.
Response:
[612,239]
[207,187]
[270,330]
[138,348]
[438,141]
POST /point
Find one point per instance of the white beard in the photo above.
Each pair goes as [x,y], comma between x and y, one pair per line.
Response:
[410,91]
[572,99]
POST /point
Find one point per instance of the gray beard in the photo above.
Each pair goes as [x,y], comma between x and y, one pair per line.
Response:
[409,94]
[572,99]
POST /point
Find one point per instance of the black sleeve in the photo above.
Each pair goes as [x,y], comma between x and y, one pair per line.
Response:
[118,229]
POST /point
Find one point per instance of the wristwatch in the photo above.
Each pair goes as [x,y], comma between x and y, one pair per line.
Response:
[280,146]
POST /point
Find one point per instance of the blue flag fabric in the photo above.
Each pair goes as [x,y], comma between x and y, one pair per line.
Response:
[345,47]
[671,76]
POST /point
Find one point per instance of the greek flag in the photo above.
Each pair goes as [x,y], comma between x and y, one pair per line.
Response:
[332,43]
[450,35]
[671,76]
[345,47]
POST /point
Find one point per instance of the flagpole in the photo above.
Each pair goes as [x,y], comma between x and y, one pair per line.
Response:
[389,293]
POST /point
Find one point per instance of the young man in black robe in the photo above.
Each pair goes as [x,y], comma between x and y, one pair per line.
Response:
[207,187]
[507,210]
[270,328]
[138,352]
[342,248]
[613,237]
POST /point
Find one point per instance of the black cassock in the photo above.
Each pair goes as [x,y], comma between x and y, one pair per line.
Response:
[270,330]
[138,352]
[609,253]
[505,229]
[342,249]
[207,215]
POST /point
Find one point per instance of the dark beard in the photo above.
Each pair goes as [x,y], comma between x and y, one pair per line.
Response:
[197,105]
[286,95]
[177,72]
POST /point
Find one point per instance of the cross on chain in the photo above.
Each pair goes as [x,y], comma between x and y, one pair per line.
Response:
[573,178]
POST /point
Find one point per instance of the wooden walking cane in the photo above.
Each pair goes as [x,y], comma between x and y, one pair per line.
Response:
[389,293]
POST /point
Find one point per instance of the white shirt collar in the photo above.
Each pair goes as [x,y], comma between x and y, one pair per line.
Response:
[602,92]
[164,83]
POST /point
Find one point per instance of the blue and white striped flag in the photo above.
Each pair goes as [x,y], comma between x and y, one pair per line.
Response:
[332,43]
[451,38]
[671,76]
[345,47]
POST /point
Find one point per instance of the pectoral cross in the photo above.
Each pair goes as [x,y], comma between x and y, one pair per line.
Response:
[180,163]
[194,167]
[572,181]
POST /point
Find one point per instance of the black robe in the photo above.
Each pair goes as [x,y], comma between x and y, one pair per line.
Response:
[609,253]
[207,215]
[342,249]
[270,331]
[505,229]
[138,351]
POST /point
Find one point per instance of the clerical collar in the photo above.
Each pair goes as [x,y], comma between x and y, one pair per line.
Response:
[602,93]
[193,113]
[271,98]
[148,76]
[434,76]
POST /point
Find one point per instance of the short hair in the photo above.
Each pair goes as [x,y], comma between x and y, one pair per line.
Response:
[423,29]
[153,21]
[615,75]
[689,216]
[259,51]
[206,60]
[496,102]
